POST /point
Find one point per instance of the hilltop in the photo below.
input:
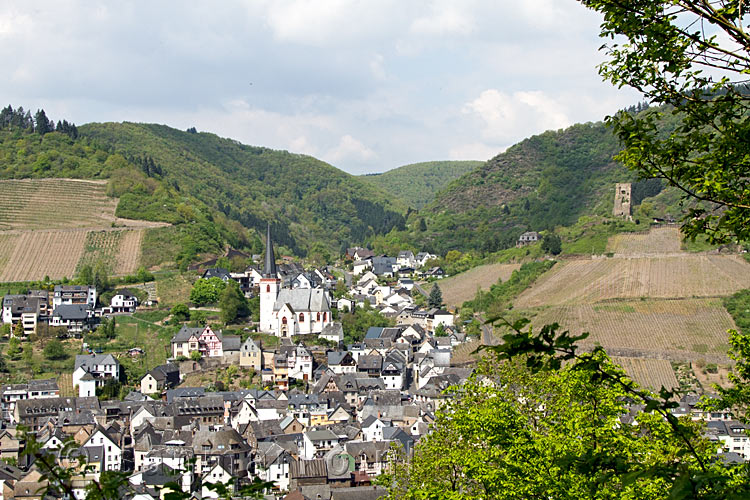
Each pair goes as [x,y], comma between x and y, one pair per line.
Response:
[416,184]
[214,192]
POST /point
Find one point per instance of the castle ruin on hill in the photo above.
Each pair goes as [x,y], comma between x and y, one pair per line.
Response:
[622,200]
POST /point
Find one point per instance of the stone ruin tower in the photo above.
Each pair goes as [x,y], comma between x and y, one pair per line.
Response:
[622,200]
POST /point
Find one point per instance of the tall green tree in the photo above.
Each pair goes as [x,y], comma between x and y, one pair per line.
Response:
[436,297]
[690,58]
[512,432]
[551,244]
[207,291]
[233,303]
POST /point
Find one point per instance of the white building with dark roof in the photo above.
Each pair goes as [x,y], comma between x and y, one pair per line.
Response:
[286,312]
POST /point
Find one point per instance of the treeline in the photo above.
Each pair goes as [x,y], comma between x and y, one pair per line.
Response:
[20,119]
[306,200]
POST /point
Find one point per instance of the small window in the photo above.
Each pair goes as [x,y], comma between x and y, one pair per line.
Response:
[268,288]
[301,317]
[318,316]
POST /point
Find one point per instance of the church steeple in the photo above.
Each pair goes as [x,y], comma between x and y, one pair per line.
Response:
[269,267]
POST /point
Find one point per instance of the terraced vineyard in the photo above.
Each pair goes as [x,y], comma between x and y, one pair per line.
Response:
[652,374]
[659,241]
[684,329]
[129,256]
[462,287]
[594,280]
[53,227]
[37,254]
[54,204]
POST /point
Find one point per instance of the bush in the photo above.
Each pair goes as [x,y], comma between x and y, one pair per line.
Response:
[55,350]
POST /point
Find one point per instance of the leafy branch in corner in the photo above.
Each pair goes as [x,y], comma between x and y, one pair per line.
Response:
[550,348]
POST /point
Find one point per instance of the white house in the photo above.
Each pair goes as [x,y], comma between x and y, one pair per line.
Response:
[124,302]
[101,367]
[316,443]
[111,451]
[74,294]
[361,266]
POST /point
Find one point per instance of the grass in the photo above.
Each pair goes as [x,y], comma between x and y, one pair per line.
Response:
[173,288]
[132,332]
[700,244]
[37,366]
[160,246]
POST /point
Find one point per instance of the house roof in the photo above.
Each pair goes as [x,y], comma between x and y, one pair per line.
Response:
[302,300]
[72,312]
[230,343]
[185,333]
[89,361]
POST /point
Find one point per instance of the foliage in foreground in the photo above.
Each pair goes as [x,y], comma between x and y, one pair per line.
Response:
[529,427]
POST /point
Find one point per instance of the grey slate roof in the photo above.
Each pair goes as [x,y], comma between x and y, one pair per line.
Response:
[185,333]
[303,299]
[72,312]
[89,361]
[230,343]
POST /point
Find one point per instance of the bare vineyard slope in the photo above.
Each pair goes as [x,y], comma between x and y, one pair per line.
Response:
[594,280]
[652,374]
[54,203]
[458,289]
[650,301]
[659,241]
[44,253]
[52,227]
[683,329]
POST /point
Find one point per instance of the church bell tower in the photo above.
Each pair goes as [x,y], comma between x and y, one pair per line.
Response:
[269,288]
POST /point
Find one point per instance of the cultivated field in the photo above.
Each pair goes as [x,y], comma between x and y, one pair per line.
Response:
[37,254]
[54,204]
[129,254]
[101,247]
[594,280]
[53,227]
[684,329]
[462,287]
[659,241]
[651,374]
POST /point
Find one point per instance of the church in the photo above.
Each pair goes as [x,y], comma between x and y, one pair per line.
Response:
[285,312]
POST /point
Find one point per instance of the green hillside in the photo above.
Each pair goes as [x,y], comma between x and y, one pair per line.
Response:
[416,184]
[545,181]
[216,192]
[306,200]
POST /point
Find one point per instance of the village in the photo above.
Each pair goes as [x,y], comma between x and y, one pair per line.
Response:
[324,424]
[325,421]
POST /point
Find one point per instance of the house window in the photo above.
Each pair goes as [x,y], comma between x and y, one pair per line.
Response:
[268,288]
[283,320]
[318,316]
[301,317]
[325,315]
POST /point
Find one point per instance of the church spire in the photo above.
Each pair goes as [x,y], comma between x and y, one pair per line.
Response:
[269,267]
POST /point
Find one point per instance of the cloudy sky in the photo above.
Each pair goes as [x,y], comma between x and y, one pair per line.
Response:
[364,85]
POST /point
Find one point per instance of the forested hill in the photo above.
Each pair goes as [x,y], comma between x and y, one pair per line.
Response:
[544,181]
[416,184]
[305,199]
[216,192]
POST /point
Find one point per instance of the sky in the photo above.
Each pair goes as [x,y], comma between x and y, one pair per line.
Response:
[366,85]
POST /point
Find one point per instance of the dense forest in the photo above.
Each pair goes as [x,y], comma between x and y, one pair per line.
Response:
[545,181]
[417,184]
[305,199]
[217,192]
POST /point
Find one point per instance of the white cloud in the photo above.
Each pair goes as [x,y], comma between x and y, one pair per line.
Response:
[446,19]
[473,151]
[364,85]
[524,112]
[349,149]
